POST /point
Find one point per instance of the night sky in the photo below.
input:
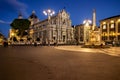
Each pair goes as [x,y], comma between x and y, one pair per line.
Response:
[79,10]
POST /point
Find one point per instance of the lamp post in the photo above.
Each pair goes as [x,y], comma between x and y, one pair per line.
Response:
[48,13]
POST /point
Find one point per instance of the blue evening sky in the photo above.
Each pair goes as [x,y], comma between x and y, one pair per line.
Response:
[79,10]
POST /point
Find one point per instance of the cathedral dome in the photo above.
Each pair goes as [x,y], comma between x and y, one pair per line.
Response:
[33,15]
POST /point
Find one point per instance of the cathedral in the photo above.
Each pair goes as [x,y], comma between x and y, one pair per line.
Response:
[56,30]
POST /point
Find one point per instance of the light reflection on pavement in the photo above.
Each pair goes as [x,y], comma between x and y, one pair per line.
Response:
[113,51]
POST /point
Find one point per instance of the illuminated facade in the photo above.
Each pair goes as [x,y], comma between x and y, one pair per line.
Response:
[79,33]
[58,29]
[87,28]
[13,32]
[33,19]
[110,29]
[1,38]
[82,32]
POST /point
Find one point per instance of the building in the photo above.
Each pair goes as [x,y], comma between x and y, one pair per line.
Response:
[33,19]
[13,33]
[87,24]
[1,38]
[81,33]
[110,29]
[57,29]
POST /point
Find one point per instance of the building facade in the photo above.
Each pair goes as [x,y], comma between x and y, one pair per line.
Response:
[13,33]
[1,38]
[110,29]
[82,33]
[79,33]
[57,29]
[33,19]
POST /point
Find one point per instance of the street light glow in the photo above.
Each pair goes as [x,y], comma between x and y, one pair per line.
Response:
[12,34]
[87,22]
[44,12]
[48,12]
[53,12]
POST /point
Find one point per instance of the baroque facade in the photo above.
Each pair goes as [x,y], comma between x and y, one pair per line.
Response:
[57,29]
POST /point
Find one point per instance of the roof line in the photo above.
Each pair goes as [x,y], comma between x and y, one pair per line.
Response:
[110,17]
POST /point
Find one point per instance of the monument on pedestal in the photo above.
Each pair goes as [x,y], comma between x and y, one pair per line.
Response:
[94,33]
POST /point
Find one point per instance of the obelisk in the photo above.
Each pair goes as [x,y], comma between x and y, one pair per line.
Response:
[94,19]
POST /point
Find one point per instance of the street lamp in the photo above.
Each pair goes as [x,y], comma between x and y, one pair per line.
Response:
[48,13]
[87,22]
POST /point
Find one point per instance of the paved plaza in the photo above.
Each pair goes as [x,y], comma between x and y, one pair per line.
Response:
[113,51]
[59,63]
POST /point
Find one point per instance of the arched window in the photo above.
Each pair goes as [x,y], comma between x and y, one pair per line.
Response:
[112,25]
[104,26]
